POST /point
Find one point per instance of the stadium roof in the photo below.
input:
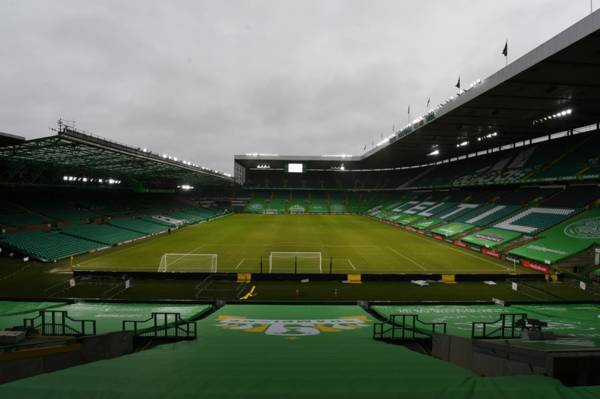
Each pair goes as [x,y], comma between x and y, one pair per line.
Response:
[10,139]
[555,87]
[71,152]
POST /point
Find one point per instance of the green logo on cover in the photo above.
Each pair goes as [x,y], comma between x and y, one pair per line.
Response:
[587,229]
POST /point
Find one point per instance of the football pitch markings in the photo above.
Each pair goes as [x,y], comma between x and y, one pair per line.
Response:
[348,243]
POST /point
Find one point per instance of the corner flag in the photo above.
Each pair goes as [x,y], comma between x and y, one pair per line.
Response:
[505,50]
[458,83]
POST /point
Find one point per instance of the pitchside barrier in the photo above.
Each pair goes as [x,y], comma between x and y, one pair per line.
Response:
[292,273]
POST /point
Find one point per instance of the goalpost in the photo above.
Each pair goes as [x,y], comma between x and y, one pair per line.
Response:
[291,262]
[190,263]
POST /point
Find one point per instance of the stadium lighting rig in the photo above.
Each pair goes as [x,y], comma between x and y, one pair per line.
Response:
[557,115]
[462,144]
[487,136]
[82,179]
[434,153]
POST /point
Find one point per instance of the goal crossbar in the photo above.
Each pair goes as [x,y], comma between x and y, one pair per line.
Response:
[188,262]
[295,256]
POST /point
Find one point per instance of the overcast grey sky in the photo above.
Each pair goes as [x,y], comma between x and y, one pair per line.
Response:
[203,80]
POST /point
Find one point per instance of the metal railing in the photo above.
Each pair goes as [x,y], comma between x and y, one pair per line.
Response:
[507,326]
[406,327]
[166,325]
[58,322]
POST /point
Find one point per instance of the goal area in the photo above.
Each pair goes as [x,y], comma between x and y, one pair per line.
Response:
[295,262]
[188,263]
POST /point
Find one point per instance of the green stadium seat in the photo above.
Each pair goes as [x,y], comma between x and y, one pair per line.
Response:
[102,233]
[48,246]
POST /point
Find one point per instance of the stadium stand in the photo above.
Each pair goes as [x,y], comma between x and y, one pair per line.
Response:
[48,246]
[102,233]
[193,215]
[534,219]
[491,238]
[139,225]
[15,216]
[565,240]
[568,159]
[452,229]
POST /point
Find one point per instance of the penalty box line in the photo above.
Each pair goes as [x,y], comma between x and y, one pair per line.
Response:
[408,258]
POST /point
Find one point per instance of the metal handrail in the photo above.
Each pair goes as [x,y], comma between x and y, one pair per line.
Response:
[56,322]
[405,327]
[507,328]
[163,325]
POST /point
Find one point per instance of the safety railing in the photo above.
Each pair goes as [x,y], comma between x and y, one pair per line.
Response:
[165,325]
[406,327]
[58,322]
[509,325]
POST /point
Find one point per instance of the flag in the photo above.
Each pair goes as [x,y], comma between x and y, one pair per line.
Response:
[458,83]
[505,50]
[428,102]
[409,109]
[393,128]
[365,149]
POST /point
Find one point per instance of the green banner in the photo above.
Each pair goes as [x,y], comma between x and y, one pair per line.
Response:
[565,240]
[427,224]
[452,229]
[491,238]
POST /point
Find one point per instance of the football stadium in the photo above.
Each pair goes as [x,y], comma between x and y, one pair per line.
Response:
[457,257]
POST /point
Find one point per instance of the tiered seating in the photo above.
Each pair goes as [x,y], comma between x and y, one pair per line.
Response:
[49,246]
[565,240]
[487,214]
[59,211]
[163,221]
[14,216]
[102,233]
[193,215]
[318,206]
[139,225]
[577,196]
[535,219]
[337,207]
[255,206]
[579,162]
[17,219]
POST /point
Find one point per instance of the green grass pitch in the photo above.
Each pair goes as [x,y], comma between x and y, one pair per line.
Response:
[351,243]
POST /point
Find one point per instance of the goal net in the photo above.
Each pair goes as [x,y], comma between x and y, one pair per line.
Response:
[190,263]
[291,262]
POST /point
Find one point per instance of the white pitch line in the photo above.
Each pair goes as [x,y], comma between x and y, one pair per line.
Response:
[349,261]
[464,252]
[239,264]
[407,258]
